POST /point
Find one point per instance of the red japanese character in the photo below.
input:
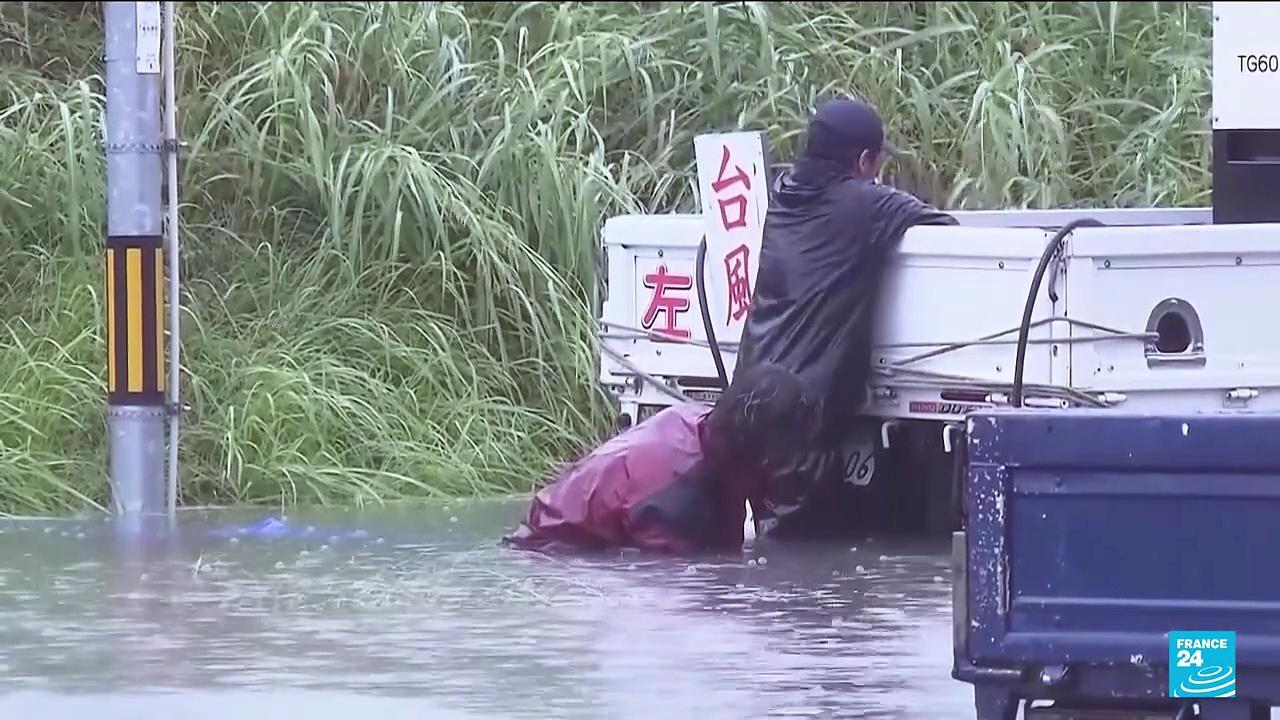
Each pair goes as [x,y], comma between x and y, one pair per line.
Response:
[740,177]
[736,266]
[660,281]
[739,201]
[739,205]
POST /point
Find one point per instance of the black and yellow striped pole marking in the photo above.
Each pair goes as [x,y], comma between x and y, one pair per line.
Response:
[135,320]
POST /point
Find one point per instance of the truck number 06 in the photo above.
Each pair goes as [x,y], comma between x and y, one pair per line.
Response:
[858,465]
[1186,658]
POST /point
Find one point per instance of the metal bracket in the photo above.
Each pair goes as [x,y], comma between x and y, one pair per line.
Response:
[947,430]
[135,412]
[884,432]
[885,395]
[1002,399]
[1184,312]
[1044,402]
[1053,675]
[120,148]
[1056,269]
[1240,396]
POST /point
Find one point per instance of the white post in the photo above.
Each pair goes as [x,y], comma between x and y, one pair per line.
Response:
[171,148]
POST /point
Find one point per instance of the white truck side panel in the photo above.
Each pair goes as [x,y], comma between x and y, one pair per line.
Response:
[1222,280]
[959,284]
[638,248]
[949,286]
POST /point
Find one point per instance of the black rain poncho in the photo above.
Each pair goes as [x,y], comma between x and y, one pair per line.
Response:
[828,237]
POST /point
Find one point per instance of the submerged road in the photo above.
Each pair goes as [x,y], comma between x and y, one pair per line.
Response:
[421,614]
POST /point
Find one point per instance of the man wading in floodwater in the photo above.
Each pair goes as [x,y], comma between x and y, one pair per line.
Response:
[679,481]
[829,233]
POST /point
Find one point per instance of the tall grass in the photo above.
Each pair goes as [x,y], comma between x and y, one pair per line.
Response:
[390,209]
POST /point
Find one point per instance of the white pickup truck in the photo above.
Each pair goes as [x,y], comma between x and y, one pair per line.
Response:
[1158,309]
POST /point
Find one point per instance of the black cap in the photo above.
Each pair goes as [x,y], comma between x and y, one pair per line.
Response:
[842,128]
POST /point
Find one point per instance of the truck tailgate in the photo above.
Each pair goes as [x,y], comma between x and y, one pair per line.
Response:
[1092,534]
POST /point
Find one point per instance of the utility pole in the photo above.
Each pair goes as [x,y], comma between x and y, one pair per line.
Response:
[136,412]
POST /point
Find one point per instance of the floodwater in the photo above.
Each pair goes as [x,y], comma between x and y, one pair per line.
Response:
[420,613]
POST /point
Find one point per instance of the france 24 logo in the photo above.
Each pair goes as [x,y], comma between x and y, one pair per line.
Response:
[1202,664]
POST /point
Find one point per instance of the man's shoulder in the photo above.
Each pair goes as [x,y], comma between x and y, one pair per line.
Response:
[870,191]
[891,193]
[872,197]
[886,199]
[852,200]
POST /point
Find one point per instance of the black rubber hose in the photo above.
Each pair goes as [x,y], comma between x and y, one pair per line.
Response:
[700,276]
[1024,330]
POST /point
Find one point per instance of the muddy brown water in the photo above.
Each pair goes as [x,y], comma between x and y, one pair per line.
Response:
[420,613]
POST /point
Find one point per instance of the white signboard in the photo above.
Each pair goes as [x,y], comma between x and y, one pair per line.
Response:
[1246,65]
[733,184]
[147,26]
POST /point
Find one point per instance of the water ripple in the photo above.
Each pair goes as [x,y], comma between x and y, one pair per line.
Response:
[372,610]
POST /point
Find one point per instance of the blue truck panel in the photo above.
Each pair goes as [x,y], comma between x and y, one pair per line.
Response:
[1090,535]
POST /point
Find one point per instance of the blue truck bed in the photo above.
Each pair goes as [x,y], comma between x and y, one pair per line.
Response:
[1091,535]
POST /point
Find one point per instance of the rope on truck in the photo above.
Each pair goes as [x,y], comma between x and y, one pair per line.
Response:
[898,370]
[663,387]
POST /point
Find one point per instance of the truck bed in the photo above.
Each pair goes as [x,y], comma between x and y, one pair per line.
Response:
[1199,288]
